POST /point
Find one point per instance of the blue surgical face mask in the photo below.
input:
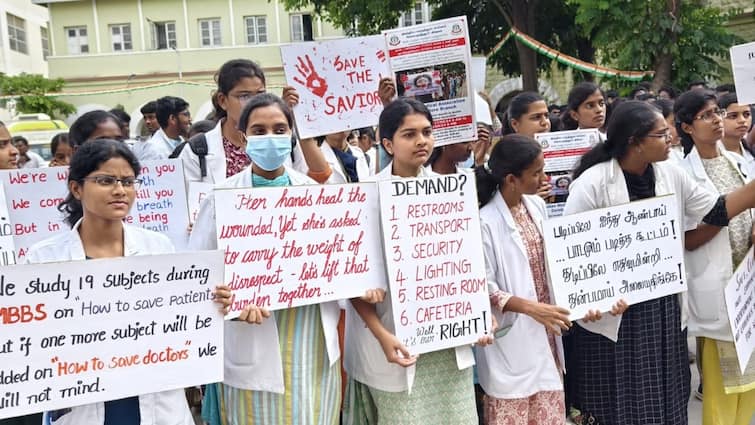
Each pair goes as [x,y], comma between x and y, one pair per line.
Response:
[268,151]
[469,163]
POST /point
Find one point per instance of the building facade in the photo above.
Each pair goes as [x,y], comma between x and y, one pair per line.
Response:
[24,38]
[128,52]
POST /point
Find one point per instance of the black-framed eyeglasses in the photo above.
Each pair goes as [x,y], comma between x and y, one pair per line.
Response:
[110,181]
[710,114]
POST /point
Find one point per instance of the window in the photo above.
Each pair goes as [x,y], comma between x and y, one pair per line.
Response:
[77,40]
[121,36]
[17,33]
[256,29]
[414,16]
[209,32]
[163,35]
[301,28]
[44,36]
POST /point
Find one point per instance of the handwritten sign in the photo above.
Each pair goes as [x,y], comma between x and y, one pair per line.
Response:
[7,247]
[743,68]
[433,249]
[420,52]
[740,303]
[83,332]
[198,191]
[632,251]
[337,82]
[33,196]
[292,246]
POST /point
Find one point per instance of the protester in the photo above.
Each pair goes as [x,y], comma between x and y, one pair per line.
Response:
[61,150]
[124,121]
[666,107]
[26,157]
[380,368]
[527,115]
[633,368]
[149,115]
[102,183]
[97,124]
[586,108]
[273,360]
[367,145]
[711,258]
[737,123]
[175,120]
[238,81]
[347,161]
[521,372]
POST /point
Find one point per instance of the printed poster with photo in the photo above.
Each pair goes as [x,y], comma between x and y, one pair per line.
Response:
[432,63]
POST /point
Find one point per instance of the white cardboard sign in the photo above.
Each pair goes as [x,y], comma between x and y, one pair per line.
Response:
[740,303]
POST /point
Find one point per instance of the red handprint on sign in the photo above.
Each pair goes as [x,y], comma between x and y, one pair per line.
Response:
[316,84]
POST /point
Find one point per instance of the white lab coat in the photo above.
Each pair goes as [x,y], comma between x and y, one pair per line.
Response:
[339,174]
[603,185]
[216,160]
[520,363]
[364,359]
[745,162]
[159,146]
[163,408]
[252,358]
[709,267]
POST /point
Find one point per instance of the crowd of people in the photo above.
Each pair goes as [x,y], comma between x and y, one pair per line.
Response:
[332,362]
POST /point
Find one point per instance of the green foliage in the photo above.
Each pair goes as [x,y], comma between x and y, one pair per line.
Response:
[487,26]
[361,17]
[31,92]
[633,34]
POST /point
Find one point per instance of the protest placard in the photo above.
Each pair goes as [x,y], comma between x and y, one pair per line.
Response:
[743,68]
[632,252]
[33,196]
[561,151]
[198,192]
[292,246]
[337,81]
[87,331]
[7,247]
[740,307]
[420,52]
[435,263]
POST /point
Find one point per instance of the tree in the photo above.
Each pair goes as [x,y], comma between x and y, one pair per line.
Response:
[679,40]
[31,92]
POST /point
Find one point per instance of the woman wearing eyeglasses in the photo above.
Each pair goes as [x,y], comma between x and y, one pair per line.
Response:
[711,256]
[633,368]
[102,183]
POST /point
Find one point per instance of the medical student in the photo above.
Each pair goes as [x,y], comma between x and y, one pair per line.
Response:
[737,123]
[379,366]
[97,124]
[102,183]
[633,368]
[586,108]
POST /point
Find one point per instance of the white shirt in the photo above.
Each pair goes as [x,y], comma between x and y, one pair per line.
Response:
[163,408]
[159,146]
[364,359]
[709,267]
[35,161]
[520,363]
[252,357]
[603,185]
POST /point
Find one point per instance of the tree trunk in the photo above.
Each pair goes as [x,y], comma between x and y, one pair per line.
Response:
[523,18]
[663,62]
[586,52]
